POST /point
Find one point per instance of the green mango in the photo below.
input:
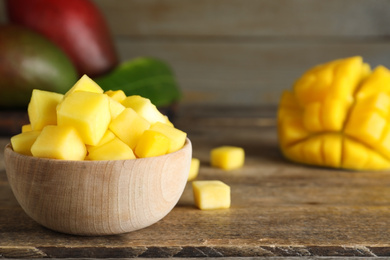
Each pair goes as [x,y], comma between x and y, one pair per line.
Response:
[145,76]
[30,61]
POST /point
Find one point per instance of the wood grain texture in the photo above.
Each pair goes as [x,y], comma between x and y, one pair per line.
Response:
[246,53]
[278,208]
[98,197]
[232,52]
[252,18]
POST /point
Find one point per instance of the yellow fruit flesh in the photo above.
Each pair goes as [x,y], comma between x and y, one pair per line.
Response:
[22,142]
[59,142]
[26,128]
[152,143]
[337,115]
[176,136]
[114,149]
[88,112]
[85,83]
[86,120]
[129,126]
[212,194]
[42,108]
[117,95]
[146,109]
[227,157]
[115,107]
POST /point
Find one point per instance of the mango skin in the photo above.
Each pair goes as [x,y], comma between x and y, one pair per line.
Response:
[29,61]
[337,115]
[76,26]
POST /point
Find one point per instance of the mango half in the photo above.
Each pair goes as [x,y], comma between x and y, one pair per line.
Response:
[337,115]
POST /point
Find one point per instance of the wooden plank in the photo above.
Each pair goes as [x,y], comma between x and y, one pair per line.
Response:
[246,73]
[278,208]
[250,18]
[3,17]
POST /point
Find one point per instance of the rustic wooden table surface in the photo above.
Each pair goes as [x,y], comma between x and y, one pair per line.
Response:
[278,208]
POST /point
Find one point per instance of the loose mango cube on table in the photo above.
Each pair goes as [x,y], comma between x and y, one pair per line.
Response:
[211,194]
[337,115]
[227,157]
[87,123]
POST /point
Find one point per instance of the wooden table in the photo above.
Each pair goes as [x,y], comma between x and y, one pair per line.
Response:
[278,208]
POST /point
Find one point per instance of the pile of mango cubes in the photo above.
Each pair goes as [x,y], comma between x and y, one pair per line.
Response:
[87,124]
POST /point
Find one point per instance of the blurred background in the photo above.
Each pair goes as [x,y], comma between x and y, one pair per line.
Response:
[245,52]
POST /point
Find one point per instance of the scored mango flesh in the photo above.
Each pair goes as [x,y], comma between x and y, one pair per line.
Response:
[338,115]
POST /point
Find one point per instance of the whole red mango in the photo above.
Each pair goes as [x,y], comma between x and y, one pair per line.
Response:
[76,26]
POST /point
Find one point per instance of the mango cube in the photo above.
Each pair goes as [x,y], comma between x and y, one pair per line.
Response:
[22,142]
[152,143]
[42,108]
[129,126]
[115,107]
[194,169]
[227,157]
[211,194]
[108,136]
[114,149]
[26,128]
[146,109]
[85,83]
[176,136]
[117,95]
[59,142]
[88,112]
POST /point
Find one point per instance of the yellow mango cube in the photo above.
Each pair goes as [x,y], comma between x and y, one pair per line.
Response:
[115,107]
[227,157]
[88,112]
[21,143]
[108,136]
[27,128]
[152,143]
[59,142]
[117,95]
[194,169]
[211,194]
[114,149]
[85,83]
[146,109]
[42,108]
[129,126]
[176,136]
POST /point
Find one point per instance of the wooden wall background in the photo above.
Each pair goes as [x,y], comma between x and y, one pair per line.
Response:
[245,52]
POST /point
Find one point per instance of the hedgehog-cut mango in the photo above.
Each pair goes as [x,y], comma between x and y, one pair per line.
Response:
[337,115]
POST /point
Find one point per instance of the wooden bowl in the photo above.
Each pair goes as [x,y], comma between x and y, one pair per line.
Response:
[98,197]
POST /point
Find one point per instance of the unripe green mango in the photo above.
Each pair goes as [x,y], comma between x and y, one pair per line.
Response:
[30,61]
